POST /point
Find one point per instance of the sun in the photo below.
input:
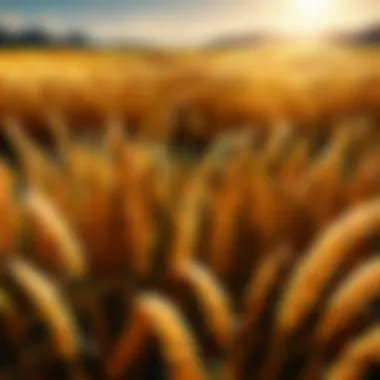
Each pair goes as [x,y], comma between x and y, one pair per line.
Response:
[311,16]
[312,9]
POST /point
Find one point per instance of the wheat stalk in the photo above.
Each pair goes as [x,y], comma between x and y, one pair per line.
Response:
[39,170]
[185,222]
[274,149]
[10,312]
[10,223]
[324,179]
[364,182]
[114,137]
[294,168]
[31,159]
[265,208]
[60,132]
[261,285]
[225,205]
[257,302]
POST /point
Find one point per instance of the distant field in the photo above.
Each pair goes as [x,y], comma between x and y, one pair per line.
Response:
[307,84]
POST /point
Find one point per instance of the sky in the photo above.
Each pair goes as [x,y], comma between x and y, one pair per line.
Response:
[188,21]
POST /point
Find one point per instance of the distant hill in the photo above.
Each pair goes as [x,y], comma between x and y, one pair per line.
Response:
[41,37]
[365,36]
[35,36]
[369,35]
[237,40]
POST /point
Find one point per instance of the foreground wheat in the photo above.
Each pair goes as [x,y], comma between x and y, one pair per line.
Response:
[133,262]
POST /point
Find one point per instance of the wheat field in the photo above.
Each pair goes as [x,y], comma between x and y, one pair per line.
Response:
[190,215]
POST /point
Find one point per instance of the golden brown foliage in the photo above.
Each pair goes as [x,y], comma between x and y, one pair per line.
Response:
[238,259]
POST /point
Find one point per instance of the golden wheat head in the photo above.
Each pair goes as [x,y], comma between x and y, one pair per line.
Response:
[50,305]
[317,268]
[156,315]
[356,358]
[71,258]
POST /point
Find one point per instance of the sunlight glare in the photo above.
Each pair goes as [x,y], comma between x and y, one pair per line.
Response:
[312,8]
[311,15]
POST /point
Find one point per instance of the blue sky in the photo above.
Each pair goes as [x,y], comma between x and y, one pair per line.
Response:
[68,7]
[172,21]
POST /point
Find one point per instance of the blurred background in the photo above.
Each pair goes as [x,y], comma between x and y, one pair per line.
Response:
[185,22]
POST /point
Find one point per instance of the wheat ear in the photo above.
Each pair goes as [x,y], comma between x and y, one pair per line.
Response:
[213,301]
[53,225]
[349,300]
[316,270]
[49,303]
[25,149]
[156,315]
[314,274]
[356,358]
